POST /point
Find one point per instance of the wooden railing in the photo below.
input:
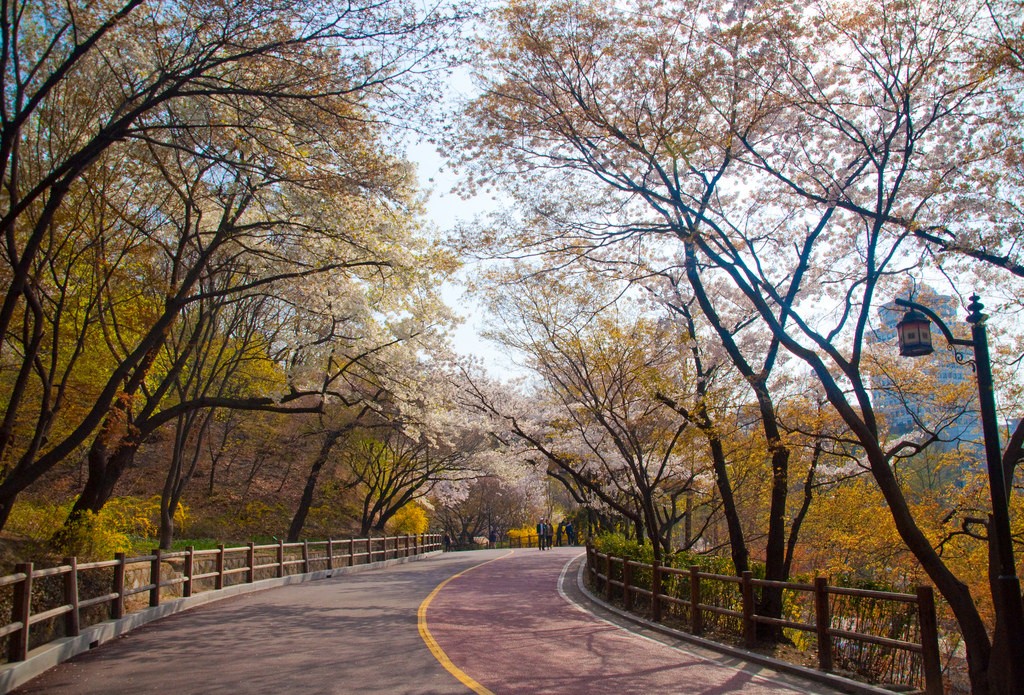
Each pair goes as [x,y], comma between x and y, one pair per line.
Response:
[184,573]
[529,541]
[523,541]
[666,587]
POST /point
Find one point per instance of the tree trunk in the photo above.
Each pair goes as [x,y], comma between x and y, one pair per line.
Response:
[166,525]
[168,499]
[306,501]
[805,505]
[770,603]
[105,469]
[737,543]
[5,508]
[113,449]
[688,525]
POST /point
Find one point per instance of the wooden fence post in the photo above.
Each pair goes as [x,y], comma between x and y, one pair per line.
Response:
[250,562]
[154,578]
[280,558]
[627,595]
[608,577]
[190,567]
[930,658]
[218,582]
[305,557]
[749,625]
[71,618]
[351,551]
[696,615]
[656,592]
[117,607]
[21,610]
[330,553]
[823,623]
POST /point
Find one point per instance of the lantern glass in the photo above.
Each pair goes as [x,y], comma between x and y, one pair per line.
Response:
[915,334]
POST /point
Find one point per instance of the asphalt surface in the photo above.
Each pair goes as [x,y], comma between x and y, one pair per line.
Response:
[512,628]
[502,619]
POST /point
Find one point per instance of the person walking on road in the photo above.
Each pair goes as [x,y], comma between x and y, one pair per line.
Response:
[559,533]
[549,539]
[570,533]
[542,533]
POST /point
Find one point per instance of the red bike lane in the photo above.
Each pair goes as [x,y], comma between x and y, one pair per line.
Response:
[506,625]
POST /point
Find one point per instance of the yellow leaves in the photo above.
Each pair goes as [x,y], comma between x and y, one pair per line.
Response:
[849,533]
[118,527]
[409,520]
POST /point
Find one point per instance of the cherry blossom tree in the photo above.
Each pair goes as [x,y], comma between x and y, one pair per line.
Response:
[806,157]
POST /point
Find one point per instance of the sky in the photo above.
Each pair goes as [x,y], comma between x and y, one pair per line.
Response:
[445,209]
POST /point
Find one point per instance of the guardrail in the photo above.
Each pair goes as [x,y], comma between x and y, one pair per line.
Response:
[663,587]
[180,573]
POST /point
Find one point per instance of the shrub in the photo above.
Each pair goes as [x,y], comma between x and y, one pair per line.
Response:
[521,535]
[91,536]
[255,520]
[409,520]
[123,524]
[620,546]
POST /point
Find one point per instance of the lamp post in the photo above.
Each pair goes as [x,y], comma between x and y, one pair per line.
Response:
[915,339]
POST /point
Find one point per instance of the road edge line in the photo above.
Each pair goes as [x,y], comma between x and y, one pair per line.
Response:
[434,647]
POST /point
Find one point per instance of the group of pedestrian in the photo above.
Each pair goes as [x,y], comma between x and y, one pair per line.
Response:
[546,533]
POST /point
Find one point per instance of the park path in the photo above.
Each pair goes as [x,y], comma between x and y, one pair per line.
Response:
[509,626]
[499,616]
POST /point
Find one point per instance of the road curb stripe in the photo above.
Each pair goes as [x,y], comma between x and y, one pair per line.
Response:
[434,647]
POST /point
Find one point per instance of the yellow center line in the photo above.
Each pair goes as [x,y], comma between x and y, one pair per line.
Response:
[434,647]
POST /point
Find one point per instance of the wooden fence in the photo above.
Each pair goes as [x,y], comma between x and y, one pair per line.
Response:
[529,541]
[524,541]
[664,588]
[111,588]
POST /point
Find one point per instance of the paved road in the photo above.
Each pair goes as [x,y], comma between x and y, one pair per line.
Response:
[509,627]
[354,633]
[504,626]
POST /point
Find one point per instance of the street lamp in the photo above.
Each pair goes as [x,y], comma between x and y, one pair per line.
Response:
[915,339]
[915,335]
